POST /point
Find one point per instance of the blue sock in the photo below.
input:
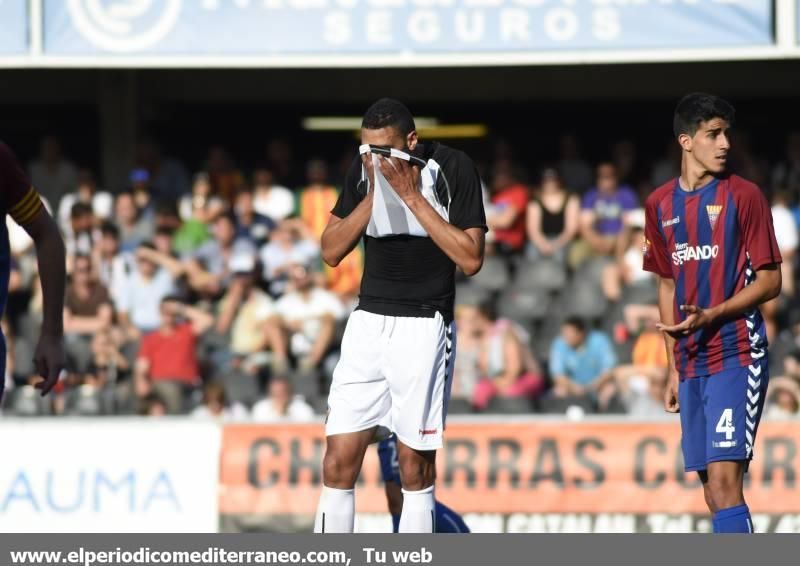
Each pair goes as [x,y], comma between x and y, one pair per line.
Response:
[395,523]
[448,521]
[733,520]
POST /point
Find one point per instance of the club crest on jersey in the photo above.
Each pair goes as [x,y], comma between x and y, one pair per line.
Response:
[713,211]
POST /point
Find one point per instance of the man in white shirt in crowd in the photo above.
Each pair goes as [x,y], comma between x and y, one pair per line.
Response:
[309,315]
[282,405]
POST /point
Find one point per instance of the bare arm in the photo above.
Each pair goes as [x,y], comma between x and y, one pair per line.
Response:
[504,219]
[141,377]
[324,339]
[230,306]
[587,219]
[49,357]
[200,319]
[534,225]
[766,286]
[572,216]
[174,266]
[512,360]
[464,247]
[88,324]
[342,234]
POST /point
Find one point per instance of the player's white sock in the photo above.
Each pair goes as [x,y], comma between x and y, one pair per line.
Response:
[418,511]
[336,511]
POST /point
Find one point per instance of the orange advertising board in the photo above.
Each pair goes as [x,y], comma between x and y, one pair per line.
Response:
[518,467]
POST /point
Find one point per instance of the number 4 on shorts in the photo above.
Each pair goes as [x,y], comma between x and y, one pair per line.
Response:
[725,426]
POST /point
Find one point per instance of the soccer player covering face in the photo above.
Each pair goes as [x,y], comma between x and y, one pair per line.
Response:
[710,239]
[418,225]
[22,203]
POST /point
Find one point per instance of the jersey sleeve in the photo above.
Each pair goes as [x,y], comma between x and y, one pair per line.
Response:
[466,209]
[350,196]
[17,197]
[656,256]
[757,229]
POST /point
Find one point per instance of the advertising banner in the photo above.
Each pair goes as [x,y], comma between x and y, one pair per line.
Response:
[13,27]
[522,476]
[396,27]
[109,476]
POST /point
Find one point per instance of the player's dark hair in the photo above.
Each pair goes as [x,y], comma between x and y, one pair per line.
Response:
[388,112]
[576,322]
[700,107]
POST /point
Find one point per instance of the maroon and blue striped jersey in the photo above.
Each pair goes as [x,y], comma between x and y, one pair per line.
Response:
[711,241]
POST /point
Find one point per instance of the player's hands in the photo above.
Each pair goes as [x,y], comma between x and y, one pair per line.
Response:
[671,403]
[49,361]
[697,318]
[401,175]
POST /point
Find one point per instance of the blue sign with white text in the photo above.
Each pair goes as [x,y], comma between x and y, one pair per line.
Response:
[370,27]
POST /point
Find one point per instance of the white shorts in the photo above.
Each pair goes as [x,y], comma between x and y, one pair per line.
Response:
[394,372]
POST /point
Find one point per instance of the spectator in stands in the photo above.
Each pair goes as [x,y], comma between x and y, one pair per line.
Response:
[603,213]
[87,311]
[309,314]
[140,302]
[553,218]
[133,227]
[201,205]
[317,199]
[643,382]
[113,266]
[167,362]
[108,363]
[580,364]
[786,234]
[139,181]
[627,270]
[225,178]
[209,270]
[248,316]
[269,199]
[289,245]
[282,405]
[101,202]
[505,360]
[197,212]
[251,225]
[152,406]
[506,218]
[216,407]
[466,373]
[51,173]
[786,174]
[168,177]
[81,236]
[575,171]
[783,399]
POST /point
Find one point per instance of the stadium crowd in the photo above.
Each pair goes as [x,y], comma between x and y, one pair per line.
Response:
[206,295]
